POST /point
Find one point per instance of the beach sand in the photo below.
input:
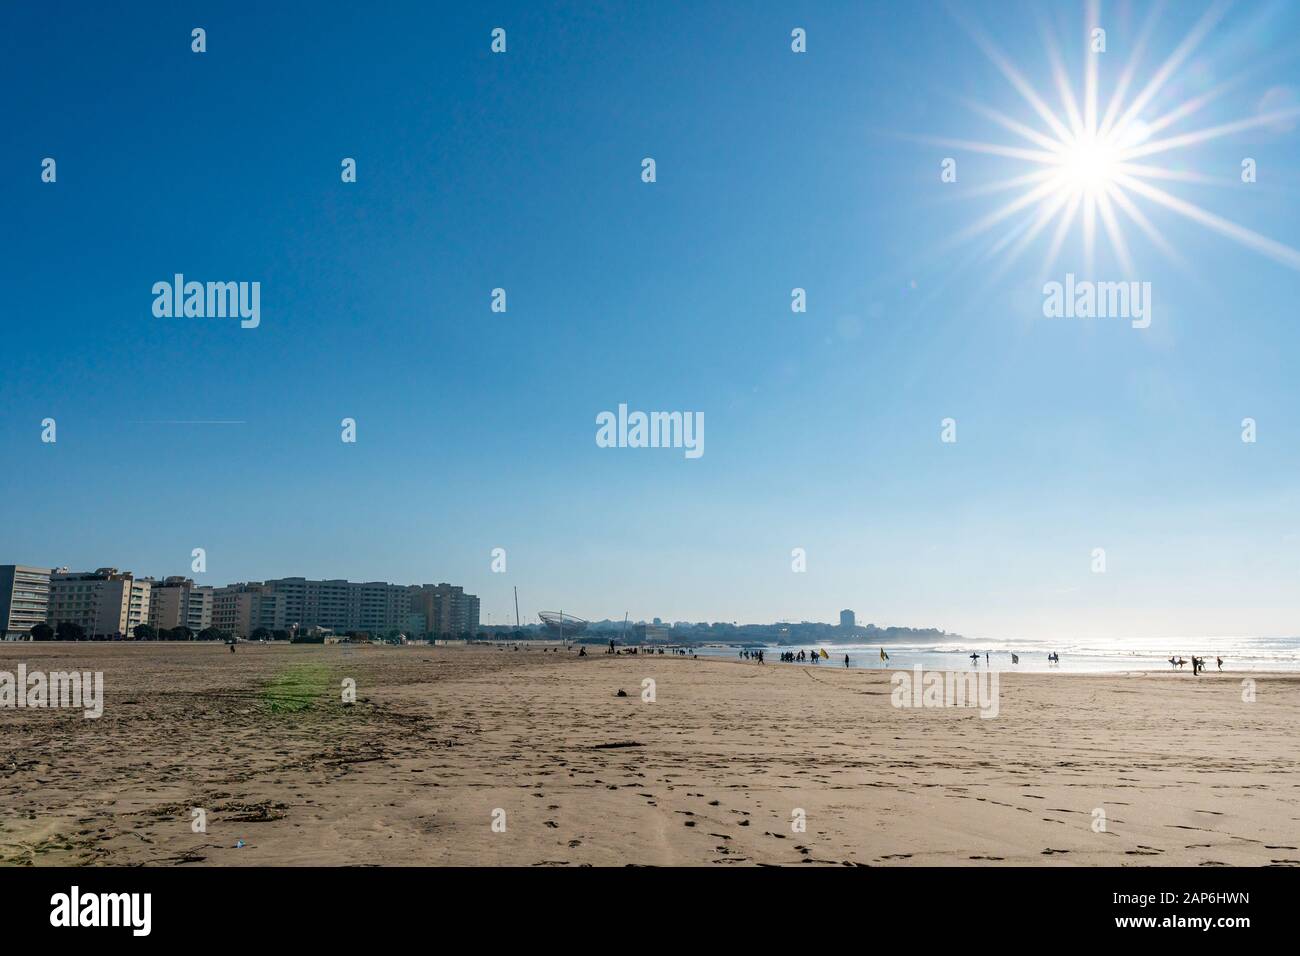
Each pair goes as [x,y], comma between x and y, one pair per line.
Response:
[712,772]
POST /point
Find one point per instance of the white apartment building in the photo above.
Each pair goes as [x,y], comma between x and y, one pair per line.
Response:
[24,600]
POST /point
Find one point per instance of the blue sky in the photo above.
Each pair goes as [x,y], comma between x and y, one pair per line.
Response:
[775,170]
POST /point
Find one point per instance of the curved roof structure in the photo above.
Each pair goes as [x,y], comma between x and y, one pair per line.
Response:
[555,619]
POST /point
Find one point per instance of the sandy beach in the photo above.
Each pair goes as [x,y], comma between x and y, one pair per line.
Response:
[713,772]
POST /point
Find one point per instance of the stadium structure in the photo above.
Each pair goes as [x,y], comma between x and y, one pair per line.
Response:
[561,624]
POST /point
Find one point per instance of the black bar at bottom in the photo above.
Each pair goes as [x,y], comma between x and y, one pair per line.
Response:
[363,905]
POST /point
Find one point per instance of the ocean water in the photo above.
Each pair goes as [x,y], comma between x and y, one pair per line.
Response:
[1096,657]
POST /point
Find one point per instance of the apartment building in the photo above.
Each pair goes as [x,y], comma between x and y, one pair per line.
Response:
[109,602]
[340,605]
[448,610]
[179,602]
[24,599]
[241,609]
[105,602]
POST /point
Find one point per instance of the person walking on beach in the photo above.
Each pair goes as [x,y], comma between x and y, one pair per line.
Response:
[986,657]
[846,660]
[1219,661]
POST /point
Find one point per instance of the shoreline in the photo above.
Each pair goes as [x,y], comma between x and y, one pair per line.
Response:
[900,660]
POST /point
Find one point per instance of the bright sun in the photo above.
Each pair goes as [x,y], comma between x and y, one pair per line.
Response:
[1091,163]
[1089,160]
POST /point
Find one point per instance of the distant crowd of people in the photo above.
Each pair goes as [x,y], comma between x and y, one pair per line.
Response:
[649,650]
[788,657]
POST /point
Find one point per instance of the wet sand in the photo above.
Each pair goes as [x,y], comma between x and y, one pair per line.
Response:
[443,741]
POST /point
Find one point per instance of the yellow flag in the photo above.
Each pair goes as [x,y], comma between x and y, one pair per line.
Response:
[825,655]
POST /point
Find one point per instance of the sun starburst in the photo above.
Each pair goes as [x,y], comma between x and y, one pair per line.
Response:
[1085,166]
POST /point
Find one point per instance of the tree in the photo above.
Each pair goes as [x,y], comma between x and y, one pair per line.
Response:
[212,634]
[69,631]
[279,635]
[181,633]
[42,632]
[145,632]
[259,634]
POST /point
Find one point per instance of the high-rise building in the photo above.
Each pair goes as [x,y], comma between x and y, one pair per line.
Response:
[105,602]
[112,603]
[449,611]
[179,602]
[240,609]
[376,606]
[198,616]
[24,599]
[340,605]
[847,619]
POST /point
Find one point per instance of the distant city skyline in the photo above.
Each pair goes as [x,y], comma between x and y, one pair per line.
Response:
[476,417]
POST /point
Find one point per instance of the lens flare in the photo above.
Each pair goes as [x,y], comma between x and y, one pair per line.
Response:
[1086,165]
